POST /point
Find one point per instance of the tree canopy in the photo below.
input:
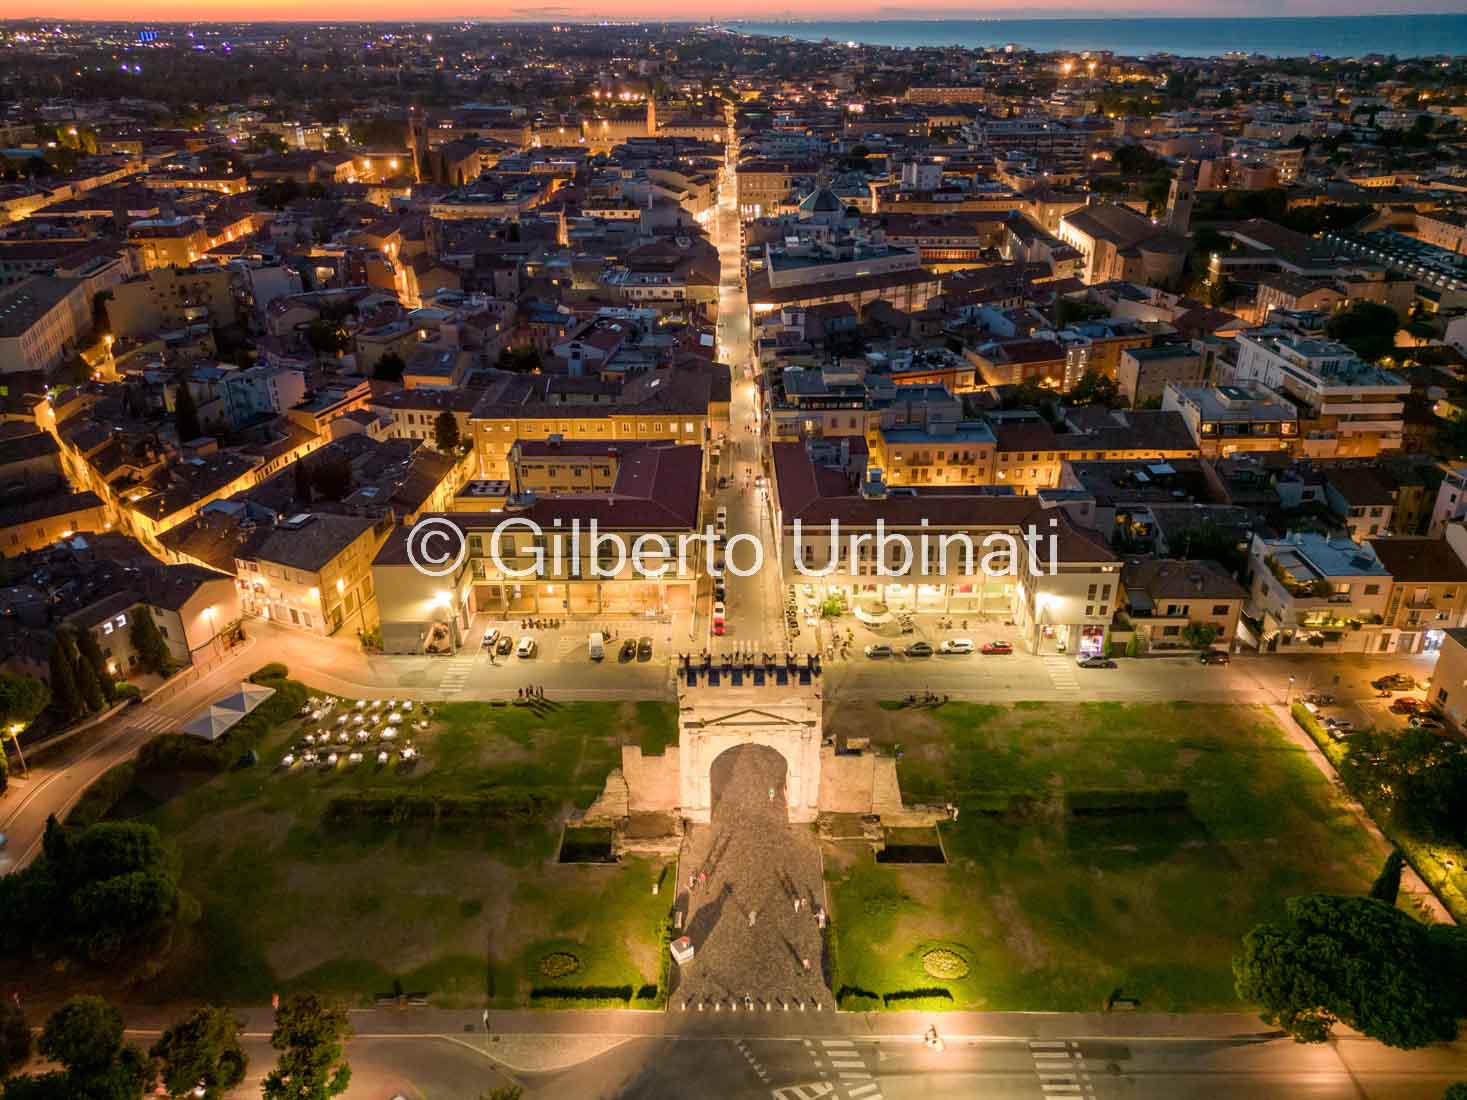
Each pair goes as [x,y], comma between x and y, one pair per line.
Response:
[1356,961]
[308,1034]
[202,1050]
[1367,328]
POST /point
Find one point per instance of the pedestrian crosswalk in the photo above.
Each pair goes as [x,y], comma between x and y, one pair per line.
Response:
[842,1060]
[1062,673]
[155,722]
[1060,1067]
[457,672]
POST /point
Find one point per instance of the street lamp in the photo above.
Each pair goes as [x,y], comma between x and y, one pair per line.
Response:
[14,731]
[1289,697]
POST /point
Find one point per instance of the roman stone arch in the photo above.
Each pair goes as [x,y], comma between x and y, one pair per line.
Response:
[712,720]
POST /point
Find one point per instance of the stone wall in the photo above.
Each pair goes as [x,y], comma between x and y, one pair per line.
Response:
[652,781]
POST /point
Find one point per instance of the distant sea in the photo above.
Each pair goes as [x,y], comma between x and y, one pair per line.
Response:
[1329,36]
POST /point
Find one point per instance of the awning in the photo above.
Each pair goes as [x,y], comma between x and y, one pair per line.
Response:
[218,718]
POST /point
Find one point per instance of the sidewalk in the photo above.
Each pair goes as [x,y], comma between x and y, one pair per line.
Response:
[1412,884]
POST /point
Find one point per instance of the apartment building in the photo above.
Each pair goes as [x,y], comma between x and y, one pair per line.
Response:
[312,571]
[42,320]
[1067,609]
[1428,596]
[1329,593]
[1163,597]
[1347,407]
[545,561]
[165,298]
[687,403]
[1227,420]
[1144,373]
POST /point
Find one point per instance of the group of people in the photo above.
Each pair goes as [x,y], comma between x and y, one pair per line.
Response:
[534,691]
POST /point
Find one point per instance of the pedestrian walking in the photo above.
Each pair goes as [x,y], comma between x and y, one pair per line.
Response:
[702,878]
[771,794]
[692,881]
[798,903]
[806,963]
[753,916]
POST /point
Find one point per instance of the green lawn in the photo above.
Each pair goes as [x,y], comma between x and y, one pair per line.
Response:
[1099,847]
[462,915]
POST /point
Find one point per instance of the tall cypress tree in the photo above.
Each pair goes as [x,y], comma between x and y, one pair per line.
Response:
[152,650]
[186,414]
[65,696]
[91,653]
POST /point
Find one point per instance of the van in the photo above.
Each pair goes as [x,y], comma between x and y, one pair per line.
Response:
[598,645]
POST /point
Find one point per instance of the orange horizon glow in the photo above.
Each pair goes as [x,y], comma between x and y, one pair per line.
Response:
[279,11]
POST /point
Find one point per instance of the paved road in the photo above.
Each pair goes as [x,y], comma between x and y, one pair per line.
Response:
[59,774]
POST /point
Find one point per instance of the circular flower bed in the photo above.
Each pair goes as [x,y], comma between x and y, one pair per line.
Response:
[945,964]
[559,964]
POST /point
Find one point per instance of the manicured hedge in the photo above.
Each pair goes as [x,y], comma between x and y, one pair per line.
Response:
[105,792]
[272,671]
[504,806]
[853,999]
[581,996]
[918,1000]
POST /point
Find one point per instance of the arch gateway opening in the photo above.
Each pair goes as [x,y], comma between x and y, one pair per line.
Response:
[712,720]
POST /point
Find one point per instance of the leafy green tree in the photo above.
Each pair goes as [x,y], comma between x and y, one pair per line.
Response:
[84,1035]
[1095,388]
[1387,885]
[152,650]
[1456,1092]
[15,1038]
[519,360]
[514,1092]
[45,1086]
[202,1050]
[1200,635]
[327,336]
[21,699]
[445,432]
[1418,777]
[186,414]
[65,695]
[308,1034]
[1367,328]
[1355,961]
[389,368]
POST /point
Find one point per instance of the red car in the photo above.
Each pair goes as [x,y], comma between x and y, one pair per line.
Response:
[997,647]
[1407,704]
[718,625]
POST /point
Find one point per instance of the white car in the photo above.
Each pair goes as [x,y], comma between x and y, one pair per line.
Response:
[526,648]
[956,645]
[491,635]
[718,609]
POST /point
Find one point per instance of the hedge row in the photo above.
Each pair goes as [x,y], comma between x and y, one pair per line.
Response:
[912,1000]
[272,671]
[105,792]
[581,996]
[505,805]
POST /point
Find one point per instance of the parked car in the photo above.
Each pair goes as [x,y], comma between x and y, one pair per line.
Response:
[644,649]
[956,645]
[1427,721]
[997,647]
[1215,657]
[1396,681]
[720,589]
[719,627]
[723,483]
[504,646]
[918,649]
[719,611]
[878,650]
[1319,699]
[627,652]
[1339,728]
[1407,704]
[526,647]
[491,637]
[1095,662]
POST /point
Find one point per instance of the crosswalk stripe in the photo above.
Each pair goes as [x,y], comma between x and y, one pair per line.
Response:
[850,1075]
[1062,1089]
[1048,1044]
[861,1089]
[836,1043]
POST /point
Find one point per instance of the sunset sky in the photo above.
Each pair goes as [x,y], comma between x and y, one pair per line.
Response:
[181,10]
